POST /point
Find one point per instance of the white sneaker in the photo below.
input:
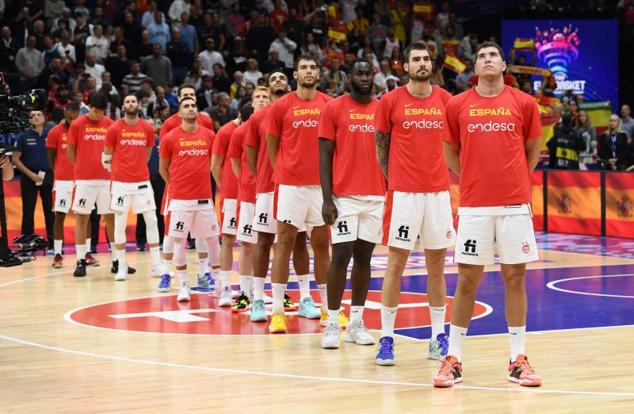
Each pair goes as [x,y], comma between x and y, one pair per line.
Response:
[157,270]
[225,298]
[235,294]
[356,333]
[330,340]
[183,292]
[267,299]
[122,274]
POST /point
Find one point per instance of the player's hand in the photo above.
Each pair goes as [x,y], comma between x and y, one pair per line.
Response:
[4,160]
[329,212]
[106,161]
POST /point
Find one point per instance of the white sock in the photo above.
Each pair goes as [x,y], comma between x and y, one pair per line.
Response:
[112,248]
[57,246]
[81,251]
[518,341]
[278,298]
[155,252]
[356,313]
[333,316]
[437,316]
[225,279]
[167,266]
[304,286]
[258,288]
[203,266]
[182,276]
[388,317]
[119,254]
[246,282]
[323,295]
[457,335]
[88,243]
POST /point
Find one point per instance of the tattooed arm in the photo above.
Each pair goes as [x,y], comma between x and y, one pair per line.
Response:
[382,140]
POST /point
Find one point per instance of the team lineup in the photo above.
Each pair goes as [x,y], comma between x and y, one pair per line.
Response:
[346,173]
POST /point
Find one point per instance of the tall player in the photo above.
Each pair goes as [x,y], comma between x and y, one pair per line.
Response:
[492,141]
[185,163]
[264,222]
[350,171]
[292,146]
[86,140]
[409,127]
[56,144]
[129,144]
[205,258]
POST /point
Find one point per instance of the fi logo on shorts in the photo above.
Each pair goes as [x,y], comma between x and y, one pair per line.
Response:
[342,228]
[403,233]
[470,248]
[179,226]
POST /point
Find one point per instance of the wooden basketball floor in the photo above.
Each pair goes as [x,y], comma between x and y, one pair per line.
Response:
[92,345]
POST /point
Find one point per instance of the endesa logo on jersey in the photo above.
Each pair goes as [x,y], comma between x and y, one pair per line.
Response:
[491,127]
[192,152]
[306,123]
[419,123]
[135,138]
[367,127]
[95,133]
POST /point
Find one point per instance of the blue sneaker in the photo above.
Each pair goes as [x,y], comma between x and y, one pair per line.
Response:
[205,283]
[258,313]
[308,310]
[385,355]
[438,347]
[164,285]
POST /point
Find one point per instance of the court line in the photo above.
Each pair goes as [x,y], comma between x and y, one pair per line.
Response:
[551,285]
[311,377]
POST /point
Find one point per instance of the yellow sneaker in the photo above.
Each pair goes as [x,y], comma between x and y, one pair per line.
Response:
[278,323]
[343,320]
[324,318]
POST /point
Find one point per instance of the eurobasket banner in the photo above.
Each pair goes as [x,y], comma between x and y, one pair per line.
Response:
[582,55]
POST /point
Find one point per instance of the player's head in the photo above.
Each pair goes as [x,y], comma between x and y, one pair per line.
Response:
[187,109]
[131,105]
[186,91]
[246,111]
[97,105]
[260,98]
[36,118]
[361,76]
[278,84]
[489,60]
[71,112]
[307,71]
[418,62]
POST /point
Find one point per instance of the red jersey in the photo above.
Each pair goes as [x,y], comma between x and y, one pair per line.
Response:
[174,121]
[190,163]
[255,137]
[57,138]
[355,170]
[491,133]
[416,160]
[130,144]
[295,122]
[229,188]
[246,181]
[89,138]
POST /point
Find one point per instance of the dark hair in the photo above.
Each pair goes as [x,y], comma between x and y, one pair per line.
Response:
[245,112]
[98,101]
[354,63]
[185,100]
[185,86]
[414,46]
[309,57]
[489,44]
[268,77]
[72,107]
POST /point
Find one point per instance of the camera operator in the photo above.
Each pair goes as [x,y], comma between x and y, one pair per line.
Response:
[31,160]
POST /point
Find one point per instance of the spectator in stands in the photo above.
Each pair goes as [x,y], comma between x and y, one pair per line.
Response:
[132,82]
[252,74]
[390,43]
[31,160]
[180,56]
[159,102]
[221,80]
[236,21]
[195,73]
[259,37]
[377,32]
[380,79]
[205,94]
[98,44]
[119,65]
[81,9]
[29,63]
[8,50]
[212,27]
[157,67]
[467,47]
[148,16]
[66,50]
[209,56]
[627,123]
[612,147]
[54,68]
[188,34]
[93,68]
[310,47]
[64,22]
[176,10]
[237,59]
[565,146]
[285,48]
[80,34]
[159,31]
[589,134]
[222,113]
[50,51]
[273,64]
[39,31]
[462,79]
[132,31]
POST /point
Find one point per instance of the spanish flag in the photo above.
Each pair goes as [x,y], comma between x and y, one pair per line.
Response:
[574,202]
[454,64]
[426,10]
[450,46]
[619,204]
[537,206]
[523,44]
[337,35]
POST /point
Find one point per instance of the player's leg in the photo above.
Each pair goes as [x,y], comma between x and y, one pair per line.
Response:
[341,254]
[229,231]
[360,283]
[152,236]
[120,223]
[279,273]
[247,238]
[301,266]
[83,200]
[261,258]
[63,197]
[58,239]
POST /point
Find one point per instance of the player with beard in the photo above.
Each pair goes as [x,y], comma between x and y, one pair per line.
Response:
[185,163]
[129,144]
[409,128]
[56,144]
[264,220]
[492,140]
[353,188]
[292,145]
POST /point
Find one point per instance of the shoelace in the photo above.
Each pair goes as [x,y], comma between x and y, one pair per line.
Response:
[446,367]
[525,367]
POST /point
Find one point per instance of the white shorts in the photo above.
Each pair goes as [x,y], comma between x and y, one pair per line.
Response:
[197,217]
[139,196]
[359,217]
[245,223]
[409,215]
[229,216]
[89,192]
[299,205]
[63,196]
[479,235]
[264,219]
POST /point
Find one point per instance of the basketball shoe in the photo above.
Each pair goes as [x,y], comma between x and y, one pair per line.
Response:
[450,373]
[521,372]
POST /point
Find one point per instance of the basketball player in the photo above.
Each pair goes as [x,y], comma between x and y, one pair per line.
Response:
[409,127]
[264,222]
[349,169]
[492,141]
[86,140]
[129,144]
[292,146]
[184,164]
[56,144]
[205,258]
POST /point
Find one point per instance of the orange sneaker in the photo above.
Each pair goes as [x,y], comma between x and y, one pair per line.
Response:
[91,261]
[450,373]
[522,373]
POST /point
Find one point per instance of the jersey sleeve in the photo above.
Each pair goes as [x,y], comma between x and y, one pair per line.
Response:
[52,137]
[532,120]
[327,122]
[251,132]
[235,146]
[276,118]
[149,134]
[219,146]
[451,132]
[111,136]
[167,126]
[165,151]
[382,123]
[73,133]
